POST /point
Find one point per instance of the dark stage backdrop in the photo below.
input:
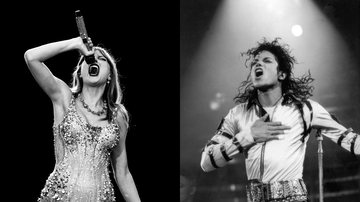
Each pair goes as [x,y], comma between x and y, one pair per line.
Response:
[143,37]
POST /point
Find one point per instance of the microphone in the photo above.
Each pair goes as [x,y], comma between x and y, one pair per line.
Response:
[89,59]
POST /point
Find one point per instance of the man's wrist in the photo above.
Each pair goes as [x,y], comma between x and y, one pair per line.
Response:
[245,138]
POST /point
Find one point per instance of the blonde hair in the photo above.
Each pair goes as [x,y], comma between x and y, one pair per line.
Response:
[113,93]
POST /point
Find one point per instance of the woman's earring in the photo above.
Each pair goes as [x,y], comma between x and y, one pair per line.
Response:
[108,81]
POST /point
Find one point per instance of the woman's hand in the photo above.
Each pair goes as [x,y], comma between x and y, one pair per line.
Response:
[82,47]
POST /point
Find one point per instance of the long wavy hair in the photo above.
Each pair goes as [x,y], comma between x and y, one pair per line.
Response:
[112,94]
[292,87]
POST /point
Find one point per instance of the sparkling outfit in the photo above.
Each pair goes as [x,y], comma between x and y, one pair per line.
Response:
[276,160]
[82,154]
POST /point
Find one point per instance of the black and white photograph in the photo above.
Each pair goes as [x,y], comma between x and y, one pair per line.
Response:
[269,100]
[92,101]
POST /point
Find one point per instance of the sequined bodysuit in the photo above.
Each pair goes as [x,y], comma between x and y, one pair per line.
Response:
[82,154]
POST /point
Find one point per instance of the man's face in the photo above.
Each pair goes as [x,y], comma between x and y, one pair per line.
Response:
[264,71]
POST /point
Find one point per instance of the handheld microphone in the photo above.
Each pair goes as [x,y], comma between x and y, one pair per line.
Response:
[89,59]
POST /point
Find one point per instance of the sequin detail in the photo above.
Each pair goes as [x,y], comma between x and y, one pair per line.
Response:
[284,191]
[82,153]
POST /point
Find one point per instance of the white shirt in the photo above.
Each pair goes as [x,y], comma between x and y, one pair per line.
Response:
[282,159]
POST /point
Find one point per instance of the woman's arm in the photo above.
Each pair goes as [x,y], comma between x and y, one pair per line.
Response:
[120,167]
[35,58]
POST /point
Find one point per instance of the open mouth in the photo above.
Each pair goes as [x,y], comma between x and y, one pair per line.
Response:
[258,72]
[94,70]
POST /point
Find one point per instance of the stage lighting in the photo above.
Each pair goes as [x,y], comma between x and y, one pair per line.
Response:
[296,30]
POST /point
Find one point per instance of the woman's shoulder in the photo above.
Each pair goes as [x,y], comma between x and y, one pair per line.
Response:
[69,97]
[120,116]
[62,105]
[65,93]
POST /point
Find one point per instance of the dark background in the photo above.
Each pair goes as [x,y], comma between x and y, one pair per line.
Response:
[143,37]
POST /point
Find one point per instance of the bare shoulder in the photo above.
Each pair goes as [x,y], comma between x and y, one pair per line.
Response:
[64,96]
[121,119]
[62,101]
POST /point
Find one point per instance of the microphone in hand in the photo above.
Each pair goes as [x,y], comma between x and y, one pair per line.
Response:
[84,36]
[89,59]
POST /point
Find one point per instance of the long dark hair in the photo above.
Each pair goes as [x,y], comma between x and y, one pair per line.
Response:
[292,87]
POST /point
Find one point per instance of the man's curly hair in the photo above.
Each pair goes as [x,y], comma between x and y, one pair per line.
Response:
[292,87]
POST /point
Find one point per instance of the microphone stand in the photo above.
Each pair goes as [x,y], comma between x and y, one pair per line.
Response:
[320,162]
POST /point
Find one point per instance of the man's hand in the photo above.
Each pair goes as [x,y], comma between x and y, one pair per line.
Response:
[264,131]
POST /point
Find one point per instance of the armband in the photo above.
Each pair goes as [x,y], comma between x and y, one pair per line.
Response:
[227,135]
[237,144]
[223,152]
[212,160]
[353,144]
[343,135]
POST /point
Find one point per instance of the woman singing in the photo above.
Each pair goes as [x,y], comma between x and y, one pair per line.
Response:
[90,125]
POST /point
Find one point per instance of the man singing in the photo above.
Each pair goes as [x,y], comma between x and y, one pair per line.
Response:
[270,125]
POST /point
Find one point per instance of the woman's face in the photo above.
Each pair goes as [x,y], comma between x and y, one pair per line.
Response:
[103,67]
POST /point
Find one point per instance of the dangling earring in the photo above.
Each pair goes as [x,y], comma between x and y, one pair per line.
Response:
[108,81]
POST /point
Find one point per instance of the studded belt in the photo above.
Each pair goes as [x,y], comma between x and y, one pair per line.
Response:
[287,191]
